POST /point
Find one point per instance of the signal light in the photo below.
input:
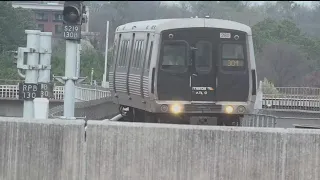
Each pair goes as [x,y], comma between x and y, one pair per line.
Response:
[72,12]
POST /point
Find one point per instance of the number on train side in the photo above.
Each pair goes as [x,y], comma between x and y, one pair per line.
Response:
[225,35]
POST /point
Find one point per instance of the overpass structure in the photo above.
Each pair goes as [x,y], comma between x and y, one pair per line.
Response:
[93,102]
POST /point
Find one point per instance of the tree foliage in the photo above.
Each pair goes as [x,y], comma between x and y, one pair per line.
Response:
[13,23]
[285,34]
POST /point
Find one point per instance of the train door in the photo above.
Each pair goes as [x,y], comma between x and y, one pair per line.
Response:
[203,70]
[146,65]
[173,81]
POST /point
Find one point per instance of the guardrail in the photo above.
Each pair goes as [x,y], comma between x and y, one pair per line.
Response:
[286,98]
[82,92]
[292,98]
[88,93]
[306,103]
[12,92]
[295,91]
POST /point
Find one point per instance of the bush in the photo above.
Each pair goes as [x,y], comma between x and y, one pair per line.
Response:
[268,87]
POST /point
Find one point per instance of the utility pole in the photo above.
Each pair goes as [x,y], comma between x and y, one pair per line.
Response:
[72,19]
[105,81]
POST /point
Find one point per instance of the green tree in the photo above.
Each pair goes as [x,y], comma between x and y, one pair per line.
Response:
[13,23]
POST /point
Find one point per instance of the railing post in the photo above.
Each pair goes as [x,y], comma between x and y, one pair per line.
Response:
[95,92]
[259,98]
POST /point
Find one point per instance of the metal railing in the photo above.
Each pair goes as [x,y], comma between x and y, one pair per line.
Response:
[292,98]
[82,93]
[283,98]
[88,93]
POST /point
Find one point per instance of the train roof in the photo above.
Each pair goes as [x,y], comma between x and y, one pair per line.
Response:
[160,25]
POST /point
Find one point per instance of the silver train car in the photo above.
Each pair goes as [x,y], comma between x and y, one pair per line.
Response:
[170,70]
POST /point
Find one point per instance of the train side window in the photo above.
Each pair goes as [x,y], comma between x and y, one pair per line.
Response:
[145,52]
[174,56]
[122,51]
[125,53]
[117,56]
[140,57]
[203,60]
[130,51]
[114,52]
[233,57]
[121,54]
[134,55]
[150,55]
[138,54]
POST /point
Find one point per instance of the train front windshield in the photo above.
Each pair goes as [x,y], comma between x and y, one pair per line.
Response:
[217,66]
[174,57]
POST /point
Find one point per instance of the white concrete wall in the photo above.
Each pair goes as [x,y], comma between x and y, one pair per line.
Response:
[57,149]
[173,152]
[41,149]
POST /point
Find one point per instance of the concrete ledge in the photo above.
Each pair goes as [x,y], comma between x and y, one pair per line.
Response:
[41,149]
[118,150]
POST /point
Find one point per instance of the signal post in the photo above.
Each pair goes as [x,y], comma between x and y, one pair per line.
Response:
[72,20]
[37,70]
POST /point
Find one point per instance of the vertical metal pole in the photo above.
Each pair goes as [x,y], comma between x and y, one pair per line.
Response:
[104,79]
[91,77]
[70,74]
[45,58]
[78,59]
[87,24]
[33,41]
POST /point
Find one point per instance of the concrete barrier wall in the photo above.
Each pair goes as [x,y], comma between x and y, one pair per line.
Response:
[173,152]
[14,108]
[38,150]
[57,149]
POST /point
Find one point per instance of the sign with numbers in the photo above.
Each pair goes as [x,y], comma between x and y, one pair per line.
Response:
[72,32]
[47,90]
[225,35]
[29,91]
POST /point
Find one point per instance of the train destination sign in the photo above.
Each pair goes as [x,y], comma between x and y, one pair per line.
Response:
[29,91]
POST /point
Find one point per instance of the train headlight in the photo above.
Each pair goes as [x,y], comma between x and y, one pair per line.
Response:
[176,108]
[229,109]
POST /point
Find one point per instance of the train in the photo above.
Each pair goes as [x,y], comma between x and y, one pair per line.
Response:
[173,70]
